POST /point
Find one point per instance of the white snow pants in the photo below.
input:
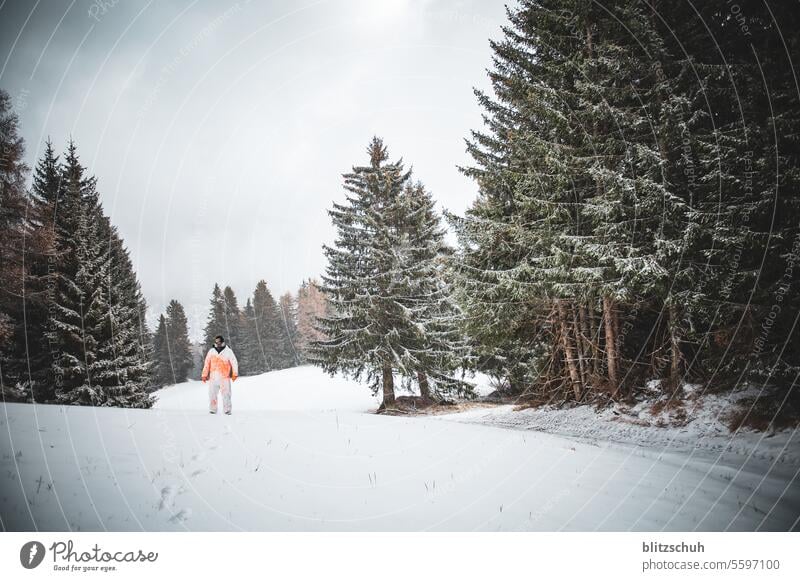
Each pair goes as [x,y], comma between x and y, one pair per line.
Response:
[217,385]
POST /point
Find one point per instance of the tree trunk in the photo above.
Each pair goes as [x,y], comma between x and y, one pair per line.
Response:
[569,350]
[388,387]
[675,350]
[580,346]
[611,344]
[594,334]
[424,387]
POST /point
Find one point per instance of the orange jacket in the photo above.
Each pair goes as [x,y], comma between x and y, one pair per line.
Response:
[220,365]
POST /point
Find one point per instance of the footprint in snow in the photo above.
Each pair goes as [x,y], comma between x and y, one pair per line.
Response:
[197,472]
[168,494]
[182,515]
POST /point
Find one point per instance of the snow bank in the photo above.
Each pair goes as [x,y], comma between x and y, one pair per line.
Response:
[697,427]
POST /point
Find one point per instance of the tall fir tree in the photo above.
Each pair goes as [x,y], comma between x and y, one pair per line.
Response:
[216,323]
[172,350]
[251,360]
[66,328]
[380,323]
[45,193]
[563,250]
[269,333]
[358,330]
[162,360]
[311,305]
[625,227]
[96,323]
[233,319]
[436,349]
[288,309]
[130,343]
[14,377]
[180,345]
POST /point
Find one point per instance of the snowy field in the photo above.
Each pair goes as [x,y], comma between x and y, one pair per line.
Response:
[303,452]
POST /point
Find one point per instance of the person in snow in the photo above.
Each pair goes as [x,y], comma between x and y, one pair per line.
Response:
[220,368]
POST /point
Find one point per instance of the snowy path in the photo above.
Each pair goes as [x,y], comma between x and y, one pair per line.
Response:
[299,453]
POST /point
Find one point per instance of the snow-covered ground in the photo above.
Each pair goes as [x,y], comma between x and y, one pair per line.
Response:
[302,452]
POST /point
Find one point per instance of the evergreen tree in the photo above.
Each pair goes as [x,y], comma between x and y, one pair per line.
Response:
[14,378]
[96,325]
[627,226]
[130,345]
[216,324]
[435,349]
[270,337]
[565,246]
[162,374]
[41,280]
[67,332]
[233,319]
[373,330]
[173,357]
[251,360]
[179,345]
[288,310]
[199,351]
[750,199]
[311,305]
[357,331]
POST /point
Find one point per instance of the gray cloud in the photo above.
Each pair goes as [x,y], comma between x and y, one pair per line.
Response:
[219,130]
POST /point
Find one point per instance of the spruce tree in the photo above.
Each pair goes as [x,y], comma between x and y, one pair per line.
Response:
[311,305]
[390,310]
[40,284]
[249,355]
[162,374]
[216,323]
[233,319]
[269,334]
[14,378]
[180,347]
[564,247]
[436,348]
[288,309]
[96,325]
[66,329]
[131,343]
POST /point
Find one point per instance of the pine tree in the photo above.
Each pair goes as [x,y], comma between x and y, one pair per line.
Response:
[270,337]
[233,319]
[311,305]
[14,379]
[179,345]
[750,197]
[288,310]
[66,328]
[41,280]
[216,323]
[172,349]
[96,325]
[435,349]
[371,332]
[565,247]
[130,346]
[162,374]
[251,360]
[356,340]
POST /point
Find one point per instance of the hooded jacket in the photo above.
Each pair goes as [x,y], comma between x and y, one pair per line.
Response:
[220,364]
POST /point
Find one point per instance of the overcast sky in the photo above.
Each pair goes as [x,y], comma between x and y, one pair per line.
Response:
[219,131]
